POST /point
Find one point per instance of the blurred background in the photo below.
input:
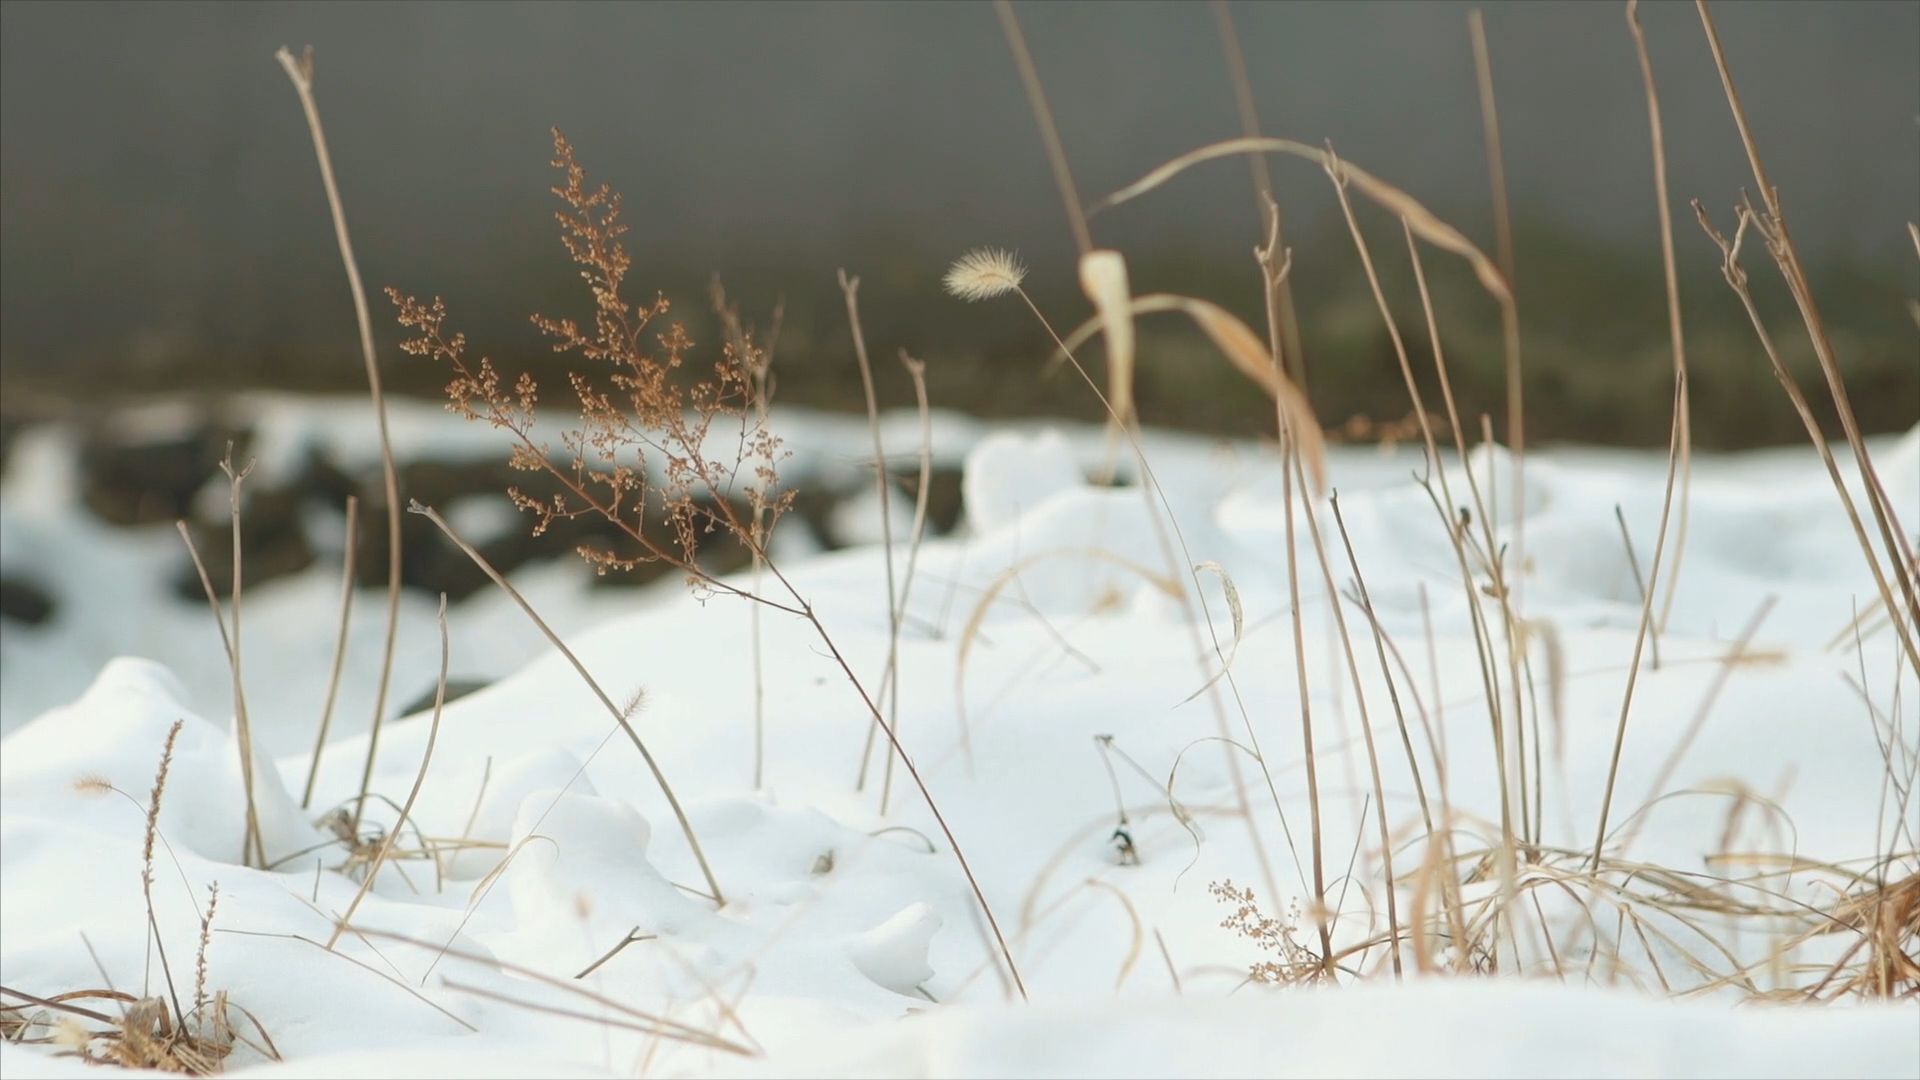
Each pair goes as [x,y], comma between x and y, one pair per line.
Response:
[164,227]
[170,290]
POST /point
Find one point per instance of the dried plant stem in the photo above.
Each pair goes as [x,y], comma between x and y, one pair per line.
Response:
[1386,673]
[1286,328]
[1674,326]
[1043,115]
[243,725]
[1646,621]
[339,649]
[247,845]
[917,370]
[1736,279]
[300,73]
[1639,580]
[619,716]
[1728,663]
[146,863]
[1320,915]
[1483,639]
[1152,490]
[889,683]
[1509,314]
[419,778]
[1366,722]
[1786,256]
[966,868]
[759,365]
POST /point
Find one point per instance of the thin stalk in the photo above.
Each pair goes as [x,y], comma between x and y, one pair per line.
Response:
[1151,490]
[1674,328]
[419,779]
[300,73]
[1366,722]
[1043,115]
[966,868]
[1288,452]
[339,649]
[1482,638]
[1736,279]
[1509,315]
[917,370]
[659,778]
[1780,244]
[253,844]
[890,683]
[1286,329]
[1646,621]
[1639,580]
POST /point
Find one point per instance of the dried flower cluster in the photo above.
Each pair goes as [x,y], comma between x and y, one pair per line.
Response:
[646,432]
[1296,962]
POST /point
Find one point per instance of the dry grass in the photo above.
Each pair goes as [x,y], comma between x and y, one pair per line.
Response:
[1518,904]
[663,437]
[300,72]
[149,1030]
[645,439]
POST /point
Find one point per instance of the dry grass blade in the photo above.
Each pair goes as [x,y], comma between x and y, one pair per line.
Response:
[1235,610]
[890,682]
[419,779]
[226,642]
[1503,245]
[146,863]
[253,845]
[1422,221]
[300,73]
[917,371]
[1678,341]
[1043,115]
[1646,618]
[663,1025]
[356,962]
[1248,354]
[619,715]
[1286,336]
[1736,278]
[1103,277]
[988,596]
[1786,256]
[339,649]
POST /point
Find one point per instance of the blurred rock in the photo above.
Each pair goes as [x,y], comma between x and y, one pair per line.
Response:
[23,602]
[132,480]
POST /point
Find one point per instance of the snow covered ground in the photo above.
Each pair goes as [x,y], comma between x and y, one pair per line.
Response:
[1038,705]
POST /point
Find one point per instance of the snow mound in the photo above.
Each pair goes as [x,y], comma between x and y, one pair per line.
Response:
[894,954]
[1009,474]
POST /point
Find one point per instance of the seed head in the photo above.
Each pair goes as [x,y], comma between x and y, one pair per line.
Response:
[984,273]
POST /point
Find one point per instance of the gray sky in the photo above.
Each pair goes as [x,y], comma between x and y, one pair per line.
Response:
[157,192]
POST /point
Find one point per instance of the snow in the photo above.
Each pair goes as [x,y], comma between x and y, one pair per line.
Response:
[1054,625]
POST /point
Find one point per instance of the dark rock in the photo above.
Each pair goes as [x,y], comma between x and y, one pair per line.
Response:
[273,544]
[147,481]
[456,689]
[22,601]
[944,501]
[10,428]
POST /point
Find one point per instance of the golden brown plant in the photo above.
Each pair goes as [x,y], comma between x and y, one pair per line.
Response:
[645,425]
[1296,962]
[642,441]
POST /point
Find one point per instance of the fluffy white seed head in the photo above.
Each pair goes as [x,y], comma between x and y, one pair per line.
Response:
[984,273]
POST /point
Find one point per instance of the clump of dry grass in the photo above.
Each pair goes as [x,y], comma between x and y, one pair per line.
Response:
[655,432]
[1489,899]
[148,1030]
